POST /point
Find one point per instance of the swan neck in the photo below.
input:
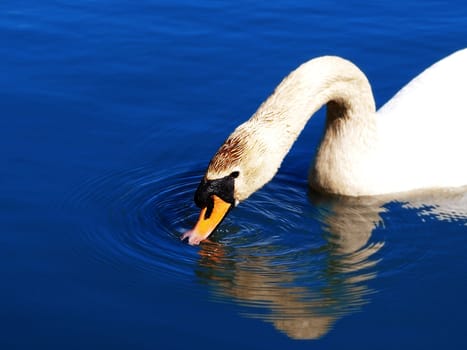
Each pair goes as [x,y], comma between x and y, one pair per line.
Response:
[258,146]
[331,81]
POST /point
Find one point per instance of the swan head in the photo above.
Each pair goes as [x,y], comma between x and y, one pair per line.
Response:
[238,169]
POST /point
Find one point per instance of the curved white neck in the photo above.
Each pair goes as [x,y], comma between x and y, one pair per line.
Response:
[314,84]
[264,140]
[415,142]
[350,125]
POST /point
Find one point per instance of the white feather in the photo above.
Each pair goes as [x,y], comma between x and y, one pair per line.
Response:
[417,140]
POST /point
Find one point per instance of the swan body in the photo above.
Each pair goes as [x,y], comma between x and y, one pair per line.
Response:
[417,140]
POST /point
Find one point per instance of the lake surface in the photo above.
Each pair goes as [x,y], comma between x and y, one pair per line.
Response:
[110,112]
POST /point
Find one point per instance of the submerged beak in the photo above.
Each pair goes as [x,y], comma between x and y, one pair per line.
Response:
[208,220]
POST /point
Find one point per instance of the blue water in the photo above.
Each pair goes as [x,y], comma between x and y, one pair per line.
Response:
[110,111]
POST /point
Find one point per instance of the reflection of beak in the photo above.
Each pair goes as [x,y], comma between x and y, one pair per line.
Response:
[208,220]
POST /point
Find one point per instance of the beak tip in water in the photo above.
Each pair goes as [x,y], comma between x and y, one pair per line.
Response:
[193,238]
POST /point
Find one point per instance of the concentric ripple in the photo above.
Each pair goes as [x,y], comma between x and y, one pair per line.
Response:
[295,260]
[138,216]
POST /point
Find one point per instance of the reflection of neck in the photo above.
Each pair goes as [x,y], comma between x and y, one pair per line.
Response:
[349,221]
[250,277]
[254,279]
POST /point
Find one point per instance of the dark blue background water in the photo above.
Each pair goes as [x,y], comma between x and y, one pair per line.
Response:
[110,111]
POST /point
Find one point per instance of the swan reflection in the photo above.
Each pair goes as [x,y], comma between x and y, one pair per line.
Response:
[302,293]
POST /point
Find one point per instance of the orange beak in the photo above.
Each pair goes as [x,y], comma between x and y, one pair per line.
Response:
[206,225]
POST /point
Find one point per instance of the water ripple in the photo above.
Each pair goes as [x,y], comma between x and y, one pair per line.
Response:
[138,215]
[295,259]
[279,255]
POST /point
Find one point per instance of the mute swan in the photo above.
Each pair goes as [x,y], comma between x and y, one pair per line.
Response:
[417,140]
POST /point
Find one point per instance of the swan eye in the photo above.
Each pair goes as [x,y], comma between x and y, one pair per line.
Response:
[235,174]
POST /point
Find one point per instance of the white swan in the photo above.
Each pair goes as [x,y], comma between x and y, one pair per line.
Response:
[417,140]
